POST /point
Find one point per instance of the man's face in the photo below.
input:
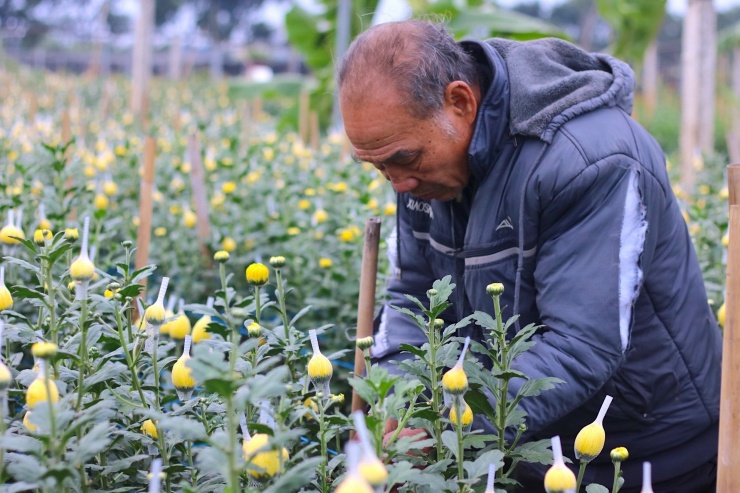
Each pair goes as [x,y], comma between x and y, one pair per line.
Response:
[426,157]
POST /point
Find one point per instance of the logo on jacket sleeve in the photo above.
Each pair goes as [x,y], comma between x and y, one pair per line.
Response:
[506,223]
[420,206]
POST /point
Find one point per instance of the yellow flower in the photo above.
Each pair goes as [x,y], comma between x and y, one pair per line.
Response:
[467,415]
[27,422]
[304,204]
[455,381]
[292,231]
[268,154]
[325,263]
[160,231]
[71,234]
[149,429]
[44,350]
[155,314]
[110,188]
[320,216]
[228,244]
[277,262]
[199,329]
[108,293]
[619,454]
[82,269]
[389,209]
[254,330]
[263,464]
[228,187]
[6,377]
[182,378]
[319,368]
[353,484]
[189,218]
[6,300]
[720,312]
[221,256]
[726,240]
[495,289]
[37,391]
[9,233]
[101,202]
[346,235]
[257,274]
[560,479]
[373,471]
[590,442]
[179,326]
[120,151]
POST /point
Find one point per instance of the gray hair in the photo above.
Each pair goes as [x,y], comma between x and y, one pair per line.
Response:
[419,57]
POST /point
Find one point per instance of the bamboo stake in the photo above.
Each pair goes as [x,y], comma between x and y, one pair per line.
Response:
[314,117]
[145,209]
[728,458]
[197,181]
[303,123]
[366,302]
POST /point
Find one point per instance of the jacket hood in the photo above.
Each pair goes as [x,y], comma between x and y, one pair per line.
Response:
[552,81]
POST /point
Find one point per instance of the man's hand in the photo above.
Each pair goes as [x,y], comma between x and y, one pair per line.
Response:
[390,429]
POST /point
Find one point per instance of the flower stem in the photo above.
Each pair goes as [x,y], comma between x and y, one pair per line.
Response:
[322,441]
[234,485]
[82,352]
[460,448]
[615,486]
[436,401]
[129,360]
[581,470]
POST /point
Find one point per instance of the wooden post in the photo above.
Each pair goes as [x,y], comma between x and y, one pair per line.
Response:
[366,302]
[728,458]
[733,135]
[197,181]
[303,123]
[650,76]
[142,60]
[315,131]
[145,208]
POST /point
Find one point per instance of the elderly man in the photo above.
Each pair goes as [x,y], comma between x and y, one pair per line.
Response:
[519,163]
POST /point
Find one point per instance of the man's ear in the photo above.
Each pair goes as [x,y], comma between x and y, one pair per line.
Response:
[460,100]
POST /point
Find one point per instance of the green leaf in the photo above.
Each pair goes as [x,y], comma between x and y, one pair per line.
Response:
[480,404]
[20,443]
[533,388]
[449,439]
[24,466]
[537,452]
[479,467]
[94,441]
[24,293]
[596,488]
[23,264]
[131,291]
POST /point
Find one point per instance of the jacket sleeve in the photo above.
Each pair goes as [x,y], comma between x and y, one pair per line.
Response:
[587,277]
[410,274]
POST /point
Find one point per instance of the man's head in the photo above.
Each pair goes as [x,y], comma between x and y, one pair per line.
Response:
[409,98]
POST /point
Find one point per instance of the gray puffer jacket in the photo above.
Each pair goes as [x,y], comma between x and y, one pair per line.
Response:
[570,207]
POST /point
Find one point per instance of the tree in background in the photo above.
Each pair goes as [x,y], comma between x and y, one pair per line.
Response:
[634,23]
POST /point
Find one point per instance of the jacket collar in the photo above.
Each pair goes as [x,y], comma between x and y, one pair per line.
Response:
[492,122]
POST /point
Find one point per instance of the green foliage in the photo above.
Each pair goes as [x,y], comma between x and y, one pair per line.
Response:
[635,24]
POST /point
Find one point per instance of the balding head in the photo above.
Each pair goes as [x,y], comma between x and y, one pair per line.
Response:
[418,58]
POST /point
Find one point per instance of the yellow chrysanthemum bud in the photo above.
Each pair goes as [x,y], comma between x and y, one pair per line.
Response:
[467,415]
[455,381]
[373,471]
[82,269]
[320,216]
[221,256]
[590,440]
[9,233]
[619,454]
[44,350]
[254,330]
[277,262]
[365,343]
[726,240]
[181,374]
[45,224]
[353,484]
[108,293]
[720,312]
[149,429]
[41,236]
[389,209]
[325,263]
[189,219]
[71,234]
[155,314]
[495,289]
[200,332]
[228,244]
[6,377]
[101,202]
[178,327]
[257,274]
[559,479]
[265,464]
[319,367]
[110,188]
[6,300]
[37,391]
[27,422]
